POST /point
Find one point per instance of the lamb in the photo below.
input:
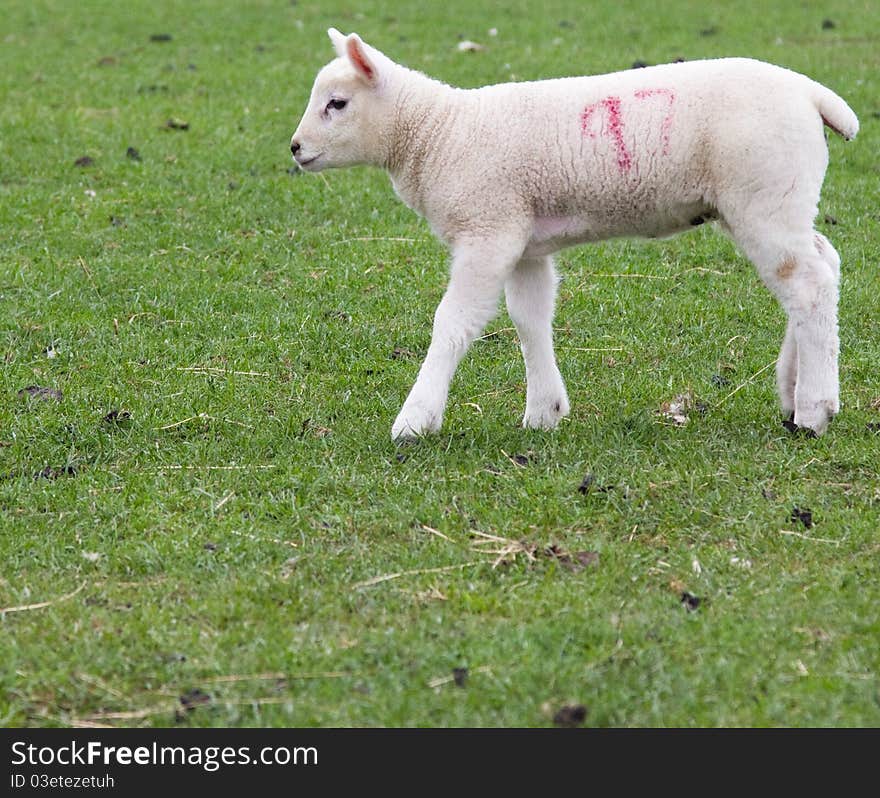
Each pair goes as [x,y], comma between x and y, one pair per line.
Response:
[508,174]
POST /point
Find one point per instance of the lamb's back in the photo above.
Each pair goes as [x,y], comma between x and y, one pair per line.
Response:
[614,144]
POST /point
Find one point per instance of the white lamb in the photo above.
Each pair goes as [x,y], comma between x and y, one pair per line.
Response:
[508,174]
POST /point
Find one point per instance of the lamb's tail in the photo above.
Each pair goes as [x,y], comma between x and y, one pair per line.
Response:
[835,112]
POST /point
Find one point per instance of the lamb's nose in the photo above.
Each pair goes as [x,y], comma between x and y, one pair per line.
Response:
[294,148]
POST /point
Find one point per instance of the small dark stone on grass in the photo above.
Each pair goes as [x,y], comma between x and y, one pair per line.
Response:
[460,676]
[828,24]
[401,458]
[802,515]
[117,417]
[522,459]
[53,473]
[132,154]
[690,601]
[586,484]
[570,716]
[85,160]
[194,698]
[210,546]
[39,392]
[639,64]
[160,37]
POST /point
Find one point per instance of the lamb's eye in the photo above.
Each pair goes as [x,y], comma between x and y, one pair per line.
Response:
[336,105]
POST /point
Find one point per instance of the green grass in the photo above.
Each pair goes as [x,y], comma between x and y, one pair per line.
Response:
[232,309]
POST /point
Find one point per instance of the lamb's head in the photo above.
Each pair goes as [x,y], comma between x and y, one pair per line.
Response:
[350,109]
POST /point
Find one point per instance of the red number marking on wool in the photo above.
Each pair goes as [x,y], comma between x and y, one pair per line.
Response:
[666,124]
[586,118]
[613,128]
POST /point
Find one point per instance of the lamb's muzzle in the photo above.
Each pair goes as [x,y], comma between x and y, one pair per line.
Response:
[506,175]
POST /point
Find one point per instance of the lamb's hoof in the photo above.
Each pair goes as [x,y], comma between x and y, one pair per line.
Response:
[814,421]
[794,429]
[547,414]
[415,422]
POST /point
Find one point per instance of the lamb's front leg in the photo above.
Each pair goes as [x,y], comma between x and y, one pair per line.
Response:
[471,300]
[531,295]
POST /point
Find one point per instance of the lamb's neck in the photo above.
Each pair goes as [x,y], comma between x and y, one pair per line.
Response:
[424,115]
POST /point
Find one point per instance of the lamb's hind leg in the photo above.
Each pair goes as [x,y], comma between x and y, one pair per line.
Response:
[802,270]
[787,365]
[531,295]
[787,370]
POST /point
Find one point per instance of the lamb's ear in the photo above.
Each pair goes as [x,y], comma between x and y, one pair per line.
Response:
[338,40]
[361,59]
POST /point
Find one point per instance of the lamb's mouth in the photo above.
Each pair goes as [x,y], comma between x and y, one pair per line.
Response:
[307,161]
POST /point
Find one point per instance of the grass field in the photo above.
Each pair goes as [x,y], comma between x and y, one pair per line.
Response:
[204,521]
